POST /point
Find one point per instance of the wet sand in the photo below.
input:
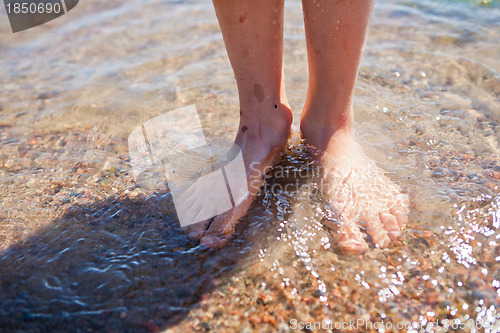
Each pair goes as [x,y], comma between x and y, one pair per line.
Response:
[86,248]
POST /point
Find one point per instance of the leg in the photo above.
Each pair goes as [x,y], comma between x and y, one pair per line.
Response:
[358,191]
[253,35]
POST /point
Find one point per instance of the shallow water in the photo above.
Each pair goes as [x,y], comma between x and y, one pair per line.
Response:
[85,249]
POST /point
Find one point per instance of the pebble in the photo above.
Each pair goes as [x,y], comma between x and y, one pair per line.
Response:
[279,303]
[283,327]
[109,166]
[205,326]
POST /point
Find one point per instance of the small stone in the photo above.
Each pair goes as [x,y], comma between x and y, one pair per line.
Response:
[283,327]
[268,319]
[468,157]
[254,319]
[317,293]
[107,166]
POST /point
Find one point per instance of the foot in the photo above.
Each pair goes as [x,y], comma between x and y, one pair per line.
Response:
[261,141]
[359,196]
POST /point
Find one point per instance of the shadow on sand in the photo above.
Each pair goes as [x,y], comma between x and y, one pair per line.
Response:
[116,265]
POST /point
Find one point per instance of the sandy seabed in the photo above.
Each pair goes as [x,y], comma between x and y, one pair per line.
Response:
[86,248]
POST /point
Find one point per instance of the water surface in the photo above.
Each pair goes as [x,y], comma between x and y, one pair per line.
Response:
[86,249]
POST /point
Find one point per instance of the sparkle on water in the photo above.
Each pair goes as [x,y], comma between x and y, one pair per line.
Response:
[427,111]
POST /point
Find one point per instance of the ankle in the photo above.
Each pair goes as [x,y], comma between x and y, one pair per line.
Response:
[268,125]
[320,133]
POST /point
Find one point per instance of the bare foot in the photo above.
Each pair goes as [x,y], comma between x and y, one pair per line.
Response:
[359,196]
[260,141]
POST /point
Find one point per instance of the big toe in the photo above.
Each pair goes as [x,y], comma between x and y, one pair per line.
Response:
[351,240]
[214,241]
[196,231]
[219,231]
[353,246]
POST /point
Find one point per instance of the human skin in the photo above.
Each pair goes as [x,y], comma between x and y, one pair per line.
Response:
[357,190]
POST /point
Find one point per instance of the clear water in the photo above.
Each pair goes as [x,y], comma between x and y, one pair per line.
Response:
[84,249]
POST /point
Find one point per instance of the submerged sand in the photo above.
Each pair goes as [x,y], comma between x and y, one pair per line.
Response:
[86,248]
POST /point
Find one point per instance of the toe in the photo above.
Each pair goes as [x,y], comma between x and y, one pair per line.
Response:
[353,246]
[351,240]
[196,231]
[390,224]
[224,224]
[219,231]
[400,213]
[377,232]
[213,241]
